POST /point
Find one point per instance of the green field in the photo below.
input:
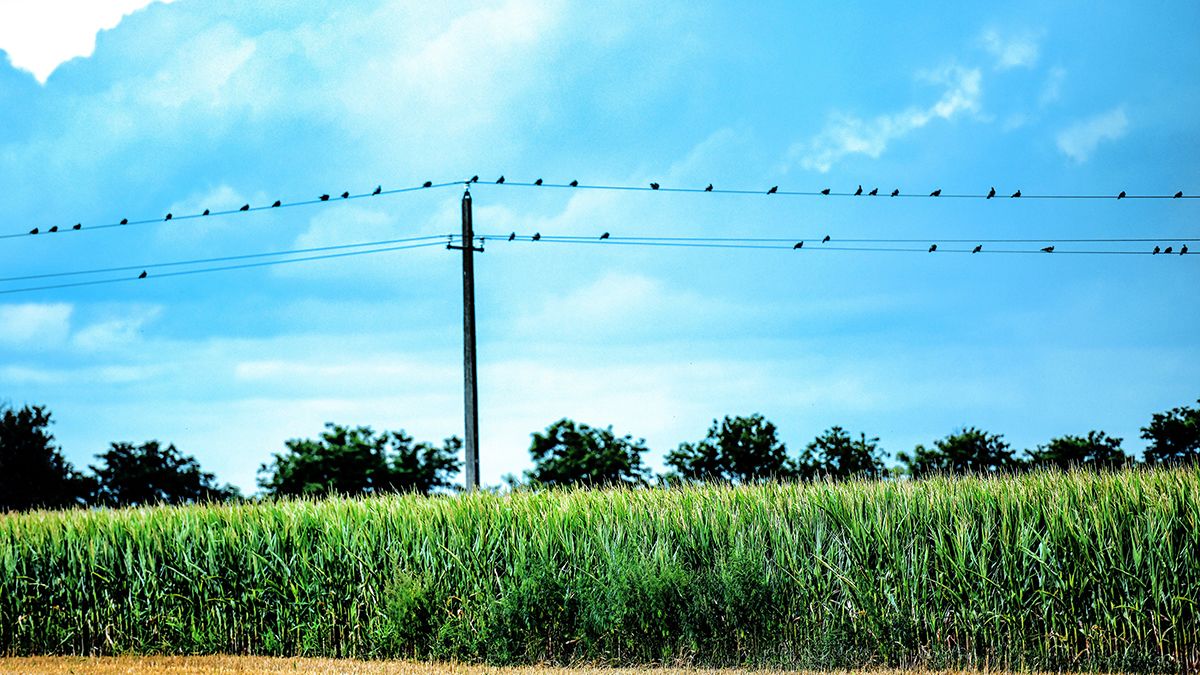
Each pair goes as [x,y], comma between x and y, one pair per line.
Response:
[1045,570]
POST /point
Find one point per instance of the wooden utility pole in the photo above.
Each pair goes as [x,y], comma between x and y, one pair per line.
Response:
[470,384]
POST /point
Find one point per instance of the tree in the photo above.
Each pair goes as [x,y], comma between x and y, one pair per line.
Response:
[737,450]
[836,454]
[1096,450]
[355,461]
[568,453]
[1174,436]
[33,472]
[969,451]
[136,475]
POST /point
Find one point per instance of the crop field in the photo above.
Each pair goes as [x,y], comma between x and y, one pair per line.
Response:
[1042,571]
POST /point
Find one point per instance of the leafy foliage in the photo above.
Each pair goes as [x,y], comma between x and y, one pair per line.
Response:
[135,475]
[970,451]
[1097,450]
[1174,436]
[567,453]
[33,472]
[736,450]
[354,461]
[836,454]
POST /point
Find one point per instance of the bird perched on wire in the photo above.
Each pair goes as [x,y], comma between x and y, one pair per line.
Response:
[604,236]
[991,193]
[874,192]
[1048,249]
[1156,251]
[1167,250]
[825,192]
[169,216]
[654,186]
[932,248]
[512,236]
[1178,194]
[1183,250]
[825,240]
[936,193]
[34,231]
[709,188]
[245,207]
[53,228]
[427,183]
[378,189]
[798,245]
[124,221]
[537,182]
[346,194]
[537,236]
[78,226]
[276,205]
[324,198]
[858,192]
[574,183]
[142,275]
[1016,194]
[500,180]
[773,190]
[895,192]
[1122,195]
[977,249]
[474,179]
[205,212]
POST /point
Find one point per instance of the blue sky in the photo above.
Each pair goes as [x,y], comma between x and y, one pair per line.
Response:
[193,105]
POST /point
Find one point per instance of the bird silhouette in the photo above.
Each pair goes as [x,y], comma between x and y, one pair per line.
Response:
[1016,194]
[773,190]
[427,183]
[825,191]
[378,189]
[537,182]
[500,180]
[512,236]
[654,186]
[245,207]
[1178,194]
[33,231]
[77,226]
[537,236]
[1167,249]
[799,244]
[276,205]
[1156,251]
[474,179]
[53,229]
[709,188]
[936,193]
[1183,250]
[825,240]
[346,194]
[124,221]
[895,192]
[858,192]
[574,183]
[932,248]
[324,198]
[991,193]
[977,249]
[1048,249]
[205,212]
[604,236]
[168,217]
[142,275]
[1122,195]
[873,193]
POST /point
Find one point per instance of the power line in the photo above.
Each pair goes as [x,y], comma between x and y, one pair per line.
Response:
[224,268]
[199,261]
[1045,240]
[170,217]
[828,192]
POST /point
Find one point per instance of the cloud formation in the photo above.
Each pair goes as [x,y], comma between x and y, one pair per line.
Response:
[31,324]
[1079,140]
[847,135]
[1011,51]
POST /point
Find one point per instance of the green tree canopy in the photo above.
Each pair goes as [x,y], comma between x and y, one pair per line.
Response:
[567,453]
[970,451]
[134,475]
[738,450]
[33,472]
[357,461]
[1096,450]
[1174,436]
[837,454]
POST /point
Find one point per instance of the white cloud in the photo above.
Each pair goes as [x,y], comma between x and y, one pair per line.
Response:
[1012,51]
[34,324]
[1079,140]
[40,36]
[116,332]
[1052,89]
[847,135]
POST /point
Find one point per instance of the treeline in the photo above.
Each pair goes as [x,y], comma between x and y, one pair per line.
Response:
[357,460]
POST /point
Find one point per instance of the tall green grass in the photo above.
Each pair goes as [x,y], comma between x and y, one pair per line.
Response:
[1044,570]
